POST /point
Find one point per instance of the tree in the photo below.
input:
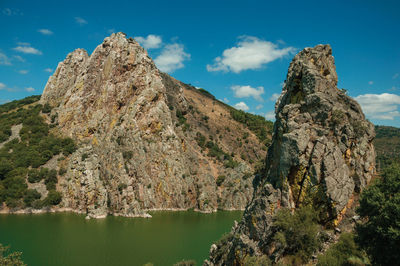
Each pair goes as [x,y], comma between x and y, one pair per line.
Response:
[8,258]
[379,207]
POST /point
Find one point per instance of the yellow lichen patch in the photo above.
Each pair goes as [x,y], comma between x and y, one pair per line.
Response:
[79,86]
[107,67]
[155,127]
[253,221]
[183,145]
[94,141]
[113,122]
[295,182]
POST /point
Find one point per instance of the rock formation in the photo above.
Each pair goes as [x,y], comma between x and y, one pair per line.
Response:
[321,155]
[139,131]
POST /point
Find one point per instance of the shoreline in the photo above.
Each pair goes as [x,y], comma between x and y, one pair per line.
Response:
[5,211]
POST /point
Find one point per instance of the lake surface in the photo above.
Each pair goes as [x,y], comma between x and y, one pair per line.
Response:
[69,239]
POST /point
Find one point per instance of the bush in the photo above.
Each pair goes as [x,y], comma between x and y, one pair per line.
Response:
[220,180]
[186,263]
[344,252]
[8,258]
[31,196]
[53,198]
[379,207]
[297,233]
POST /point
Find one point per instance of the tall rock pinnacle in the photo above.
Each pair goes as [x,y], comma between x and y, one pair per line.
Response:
[142,137]
[321,155]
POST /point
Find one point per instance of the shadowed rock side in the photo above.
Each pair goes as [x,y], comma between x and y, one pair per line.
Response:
[321,155]
[138,132]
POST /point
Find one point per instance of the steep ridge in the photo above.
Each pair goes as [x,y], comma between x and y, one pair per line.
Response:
[146,141]
[321,156]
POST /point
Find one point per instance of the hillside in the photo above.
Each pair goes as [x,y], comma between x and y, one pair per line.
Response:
[387,145]
[127,138]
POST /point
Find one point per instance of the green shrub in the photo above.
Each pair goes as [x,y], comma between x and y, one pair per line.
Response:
[379,207]
[297,233]
[344,252]
[30,196]
[186,263]
[220,180]
[53,198]
[8,258]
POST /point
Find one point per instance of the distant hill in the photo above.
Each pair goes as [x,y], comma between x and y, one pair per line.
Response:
[387,145]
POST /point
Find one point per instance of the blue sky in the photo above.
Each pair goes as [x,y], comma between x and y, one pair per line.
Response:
[238,50]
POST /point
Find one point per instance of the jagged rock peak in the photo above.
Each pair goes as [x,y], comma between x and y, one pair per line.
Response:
[140,134]
[321,156]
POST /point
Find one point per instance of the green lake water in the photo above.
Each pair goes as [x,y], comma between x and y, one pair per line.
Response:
[68,239]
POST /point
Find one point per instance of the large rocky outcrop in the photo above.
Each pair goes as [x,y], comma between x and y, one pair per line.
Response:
[141,137]
[321,155]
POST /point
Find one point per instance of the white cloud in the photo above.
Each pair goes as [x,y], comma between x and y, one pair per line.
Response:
[4,60]
[395,76]
[274,97]
[29,89]
[226,100]
[2,101]
[12,12]
[258,107]
[24,43]
[49,70]
[241,106]
[45,31]
[250,53]
[370,82]
[247,91]
[380,106]
[25,48]
[270,115]
[80,21]
[19,58]
[171,58]
[149,42]
[5,88]
[23,72]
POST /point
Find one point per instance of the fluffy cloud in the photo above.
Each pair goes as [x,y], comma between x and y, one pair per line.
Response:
[149,42]
[247,91]
[274,97]
[270,115]
[171,58]
[80,21]
[23,72]
[29,89]
[2,86]
[4,60]
[380,106]
[45,31]
[258,107]
[49,70]
[241,106]
[250,53]
[370,82]
[19,58]
[26,48]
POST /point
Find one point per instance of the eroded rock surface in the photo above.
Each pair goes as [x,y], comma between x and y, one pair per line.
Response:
[321,155]
[138,132]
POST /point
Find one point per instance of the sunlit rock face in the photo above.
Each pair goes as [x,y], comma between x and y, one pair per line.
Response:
[137,131]
[321,155]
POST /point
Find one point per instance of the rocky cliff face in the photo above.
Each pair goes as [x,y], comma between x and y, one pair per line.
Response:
[141,137]
[321,155]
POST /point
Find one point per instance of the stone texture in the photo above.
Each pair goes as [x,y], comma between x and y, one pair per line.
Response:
[321,155]
[134,154]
